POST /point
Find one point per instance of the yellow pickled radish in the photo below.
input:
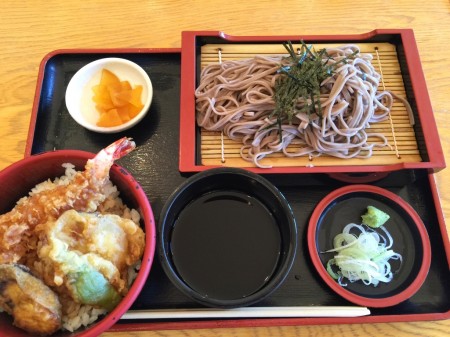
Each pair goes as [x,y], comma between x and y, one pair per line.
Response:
[110,118]
[116,101]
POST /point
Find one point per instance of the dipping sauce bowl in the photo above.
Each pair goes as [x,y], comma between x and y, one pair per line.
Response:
[227,238]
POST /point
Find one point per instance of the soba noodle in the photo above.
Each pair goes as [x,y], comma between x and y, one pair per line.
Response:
[237,97]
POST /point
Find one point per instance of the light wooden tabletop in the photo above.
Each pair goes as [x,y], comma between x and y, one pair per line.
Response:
[31,29]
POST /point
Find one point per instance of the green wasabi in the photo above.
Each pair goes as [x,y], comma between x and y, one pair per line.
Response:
[374,217]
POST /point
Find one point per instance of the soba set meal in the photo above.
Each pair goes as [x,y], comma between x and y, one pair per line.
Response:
[69,250]
[323,102]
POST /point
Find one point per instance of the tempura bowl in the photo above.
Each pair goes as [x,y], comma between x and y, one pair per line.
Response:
[18,179]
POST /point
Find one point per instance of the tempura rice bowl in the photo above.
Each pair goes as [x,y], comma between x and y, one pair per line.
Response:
[17,180]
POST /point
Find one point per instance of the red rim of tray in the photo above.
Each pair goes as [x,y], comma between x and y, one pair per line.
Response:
[331,200]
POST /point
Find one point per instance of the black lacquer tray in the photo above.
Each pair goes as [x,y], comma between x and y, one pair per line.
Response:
[155,165]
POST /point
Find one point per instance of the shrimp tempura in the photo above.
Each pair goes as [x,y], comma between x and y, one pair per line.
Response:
[84,193]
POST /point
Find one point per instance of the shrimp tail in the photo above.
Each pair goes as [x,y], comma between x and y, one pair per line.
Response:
[99,166]
[119,148]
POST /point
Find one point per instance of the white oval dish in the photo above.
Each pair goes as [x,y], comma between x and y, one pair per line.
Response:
[79,92]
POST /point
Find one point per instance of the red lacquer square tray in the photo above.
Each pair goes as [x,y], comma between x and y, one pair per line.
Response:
[415,138]
[155,164]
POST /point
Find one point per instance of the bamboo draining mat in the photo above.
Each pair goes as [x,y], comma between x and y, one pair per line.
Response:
[384,54]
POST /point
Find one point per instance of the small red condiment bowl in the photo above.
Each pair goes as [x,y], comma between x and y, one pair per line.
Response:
[19,178]
[346,205]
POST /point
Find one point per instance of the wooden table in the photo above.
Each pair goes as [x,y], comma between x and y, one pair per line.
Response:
[29,30]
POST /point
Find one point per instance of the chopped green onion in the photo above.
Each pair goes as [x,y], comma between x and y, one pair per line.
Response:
[362,257]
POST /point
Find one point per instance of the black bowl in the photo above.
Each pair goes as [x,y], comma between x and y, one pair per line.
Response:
[227,238]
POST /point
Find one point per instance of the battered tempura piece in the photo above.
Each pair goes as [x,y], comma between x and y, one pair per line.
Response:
[87,255]
[34,306]
[84,193]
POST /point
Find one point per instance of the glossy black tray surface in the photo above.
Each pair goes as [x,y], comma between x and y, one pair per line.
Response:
[155,165]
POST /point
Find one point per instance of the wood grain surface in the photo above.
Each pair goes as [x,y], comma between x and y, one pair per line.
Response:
[31,29]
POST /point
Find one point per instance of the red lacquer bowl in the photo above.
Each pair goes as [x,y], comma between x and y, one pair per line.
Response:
[346,205]
[18,179]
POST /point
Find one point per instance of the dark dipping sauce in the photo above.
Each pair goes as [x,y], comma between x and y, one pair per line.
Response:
[225,245]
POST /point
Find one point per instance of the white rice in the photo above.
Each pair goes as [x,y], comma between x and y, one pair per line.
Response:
[79,315]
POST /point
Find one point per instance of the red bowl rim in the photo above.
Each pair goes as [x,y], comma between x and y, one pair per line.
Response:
[350,296]
[112,317]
